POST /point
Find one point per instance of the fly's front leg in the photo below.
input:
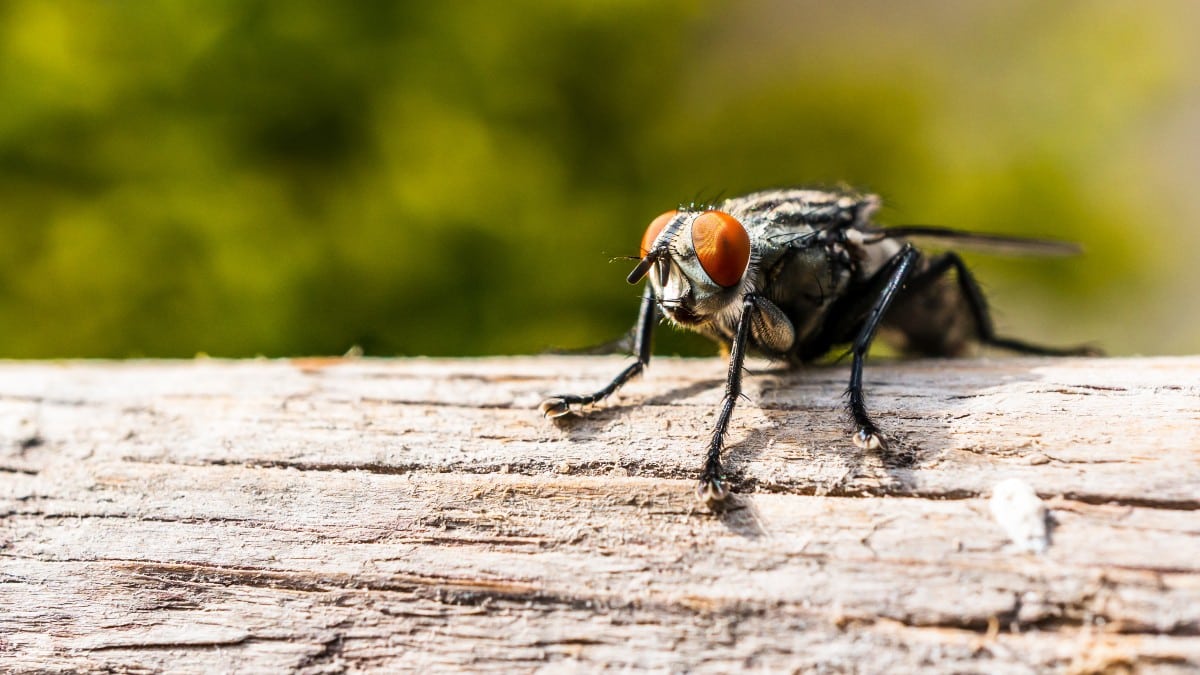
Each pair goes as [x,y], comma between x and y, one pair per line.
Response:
[866,434]
[561,404]
[712,487]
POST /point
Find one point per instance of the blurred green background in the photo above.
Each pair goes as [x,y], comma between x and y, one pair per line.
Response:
[284,178]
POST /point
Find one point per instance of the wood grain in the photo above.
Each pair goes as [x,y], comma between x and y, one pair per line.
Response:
[325,515]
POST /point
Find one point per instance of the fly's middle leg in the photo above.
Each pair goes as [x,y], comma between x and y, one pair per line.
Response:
[866,434]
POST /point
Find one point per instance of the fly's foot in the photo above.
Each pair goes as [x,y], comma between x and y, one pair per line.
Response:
[711,490]
[869,438]
[555,406]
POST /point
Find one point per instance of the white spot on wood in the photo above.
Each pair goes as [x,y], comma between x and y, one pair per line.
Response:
[1021,513]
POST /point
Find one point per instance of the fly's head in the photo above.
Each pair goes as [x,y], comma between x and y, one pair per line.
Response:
[697,262]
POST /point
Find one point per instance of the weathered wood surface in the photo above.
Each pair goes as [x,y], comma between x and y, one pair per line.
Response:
[330,515]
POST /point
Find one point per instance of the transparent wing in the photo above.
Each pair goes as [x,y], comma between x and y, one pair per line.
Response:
[621,345]
[989,243]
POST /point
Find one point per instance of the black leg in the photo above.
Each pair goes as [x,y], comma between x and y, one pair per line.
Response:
[560,404]
[976,300]
[866,434]
[712,487]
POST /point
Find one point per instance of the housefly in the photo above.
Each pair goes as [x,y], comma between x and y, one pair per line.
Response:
[791,273]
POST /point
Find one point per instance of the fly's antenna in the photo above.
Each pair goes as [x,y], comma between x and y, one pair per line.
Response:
[658,253]
[642,268]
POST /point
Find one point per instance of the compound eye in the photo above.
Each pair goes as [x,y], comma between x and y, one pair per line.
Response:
[722,247]
[654,229]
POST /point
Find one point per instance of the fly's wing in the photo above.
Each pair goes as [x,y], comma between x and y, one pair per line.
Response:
[988,243]
[621,345]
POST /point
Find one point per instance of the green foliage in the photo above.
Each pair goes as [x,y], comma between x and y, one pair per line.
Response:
[256,177]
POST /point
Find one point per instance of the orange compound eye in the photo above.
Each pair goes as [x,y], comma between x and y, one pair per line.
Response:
[722,246]
[654,229]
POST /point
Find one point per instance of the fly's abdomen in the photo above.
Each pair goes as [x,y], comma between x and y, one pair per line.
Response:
[931,317]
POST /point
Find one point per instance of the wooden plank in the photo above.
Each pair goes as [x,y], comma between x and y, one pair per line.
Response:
[327,515]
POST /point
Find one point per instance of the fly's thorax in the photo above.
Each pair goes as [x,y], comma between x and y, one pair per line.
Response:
[876,255]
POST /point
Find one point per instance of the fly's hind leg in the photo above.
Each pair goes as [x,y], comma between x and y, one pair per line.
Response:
[977,302]
[561,404]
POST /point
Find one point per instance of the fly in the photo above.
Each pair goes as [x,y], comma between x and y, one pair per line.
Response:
[790,274]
